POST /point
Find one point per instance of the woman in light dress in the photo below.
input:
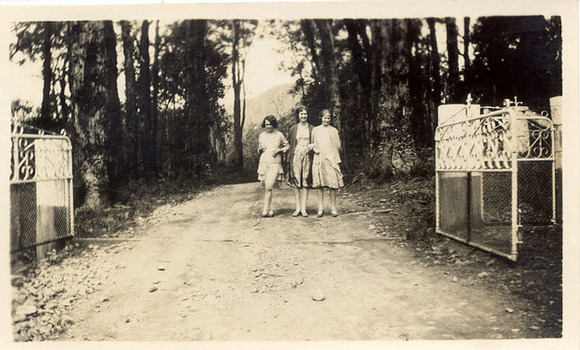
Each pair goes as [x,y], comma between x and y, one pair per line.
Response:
[299,162]
[271,145]
[326,172]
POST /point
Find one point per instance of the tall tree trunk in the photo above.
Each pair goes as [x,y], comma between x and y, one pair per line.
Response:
[358,55]
[382,124]
[330,70]
[131,147]
[89,101]
[236,83]
[419,120]
[453,61]
[555,47]
[189,107]
[65,108]
[243,74]
[394,104]
[397,99]
[148,144]
[73,35]
[466,58]
[113,121]
[154,98]
[196,101]
[308,30]
[368,51]
[362,67]
[45,117]
[435,72]
[379,58]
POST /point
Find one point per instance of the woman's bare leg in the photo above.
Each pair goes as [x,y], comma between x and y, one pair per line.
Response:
[304,195]
[269,185]
[267,201]
[270,202]
[297,201]
[333,201]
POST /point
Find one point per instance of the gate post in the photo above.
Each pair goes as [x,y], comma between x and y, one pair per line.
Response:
[556,113]
[514,169]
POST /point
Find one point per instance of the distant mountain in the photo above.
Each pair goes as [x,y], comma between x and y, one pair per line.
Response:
[276,101]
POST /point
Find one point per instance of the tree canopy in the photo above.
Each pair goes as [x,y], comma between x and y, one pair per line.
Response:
[383,80]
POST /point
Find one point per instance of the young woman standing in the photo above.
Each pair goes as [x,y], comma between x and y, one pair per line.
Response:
[299,163]
[326,172]
[271,145]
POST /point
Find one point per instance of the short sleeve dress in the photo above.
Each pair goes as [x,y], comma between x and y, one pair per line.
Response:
[270,166]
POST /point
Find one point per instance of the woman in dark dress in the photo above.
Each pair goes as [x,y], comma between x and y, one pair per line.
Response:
[299,161]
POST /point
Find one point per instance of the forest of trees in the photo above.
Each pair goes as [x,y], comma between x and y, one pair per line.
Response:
[383,80]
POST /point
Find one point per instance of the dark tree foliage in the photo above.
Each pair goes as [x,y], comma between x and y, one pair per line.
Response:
[216,69]
[383,79]
[47,41]
[517,57]
[172,100]
[371,72]
[393,77]
[192,124]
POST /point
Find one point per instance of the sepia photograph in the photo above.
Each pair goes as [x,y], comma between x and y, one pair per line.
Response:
[290,174]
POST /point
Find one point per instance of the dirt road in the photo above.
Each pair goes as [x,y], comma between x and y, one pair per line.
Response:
[216,270]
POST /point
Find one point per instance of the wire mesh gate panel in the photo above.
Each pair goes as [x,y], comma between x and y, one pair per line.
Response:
[494,174]
[41,198]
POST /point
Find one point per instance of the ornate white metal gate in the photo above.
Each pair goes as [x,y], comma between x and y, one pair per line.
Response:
[41,192]
[494,174]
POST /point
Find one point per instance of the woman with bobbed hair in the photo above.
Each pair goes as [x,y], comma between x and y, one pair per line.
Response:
[299,160]
[271,145]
